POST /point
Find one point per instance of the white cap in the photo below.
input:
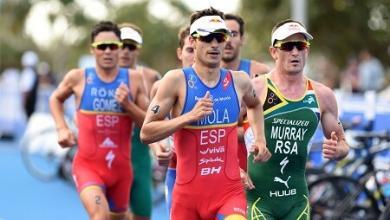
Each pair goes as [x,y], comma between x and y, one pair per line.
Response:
[128,33]
[289,29]
[208,24]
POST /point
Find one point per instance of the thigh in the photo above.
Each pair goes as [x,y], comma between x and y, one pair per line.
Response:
[119,194]
[170,178]
[141,196]
[94,201]
[299,211]
[234,208]
[180,211]
[258,212]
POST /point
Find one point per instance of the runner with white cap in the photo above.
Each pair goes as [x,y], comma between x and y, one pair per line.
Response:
[141,188]
[293,107]
[204,102]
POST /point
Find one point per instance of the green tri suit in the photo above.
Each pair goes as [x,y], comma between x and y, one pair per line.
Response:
[281,189]
[141,189]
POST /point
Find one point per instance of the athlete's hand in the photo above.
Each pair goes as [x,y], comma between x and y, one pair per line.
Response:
[246,180]
[202,108]
[122,94]
[329,147]
[66,138]
[260,152]
[162,151]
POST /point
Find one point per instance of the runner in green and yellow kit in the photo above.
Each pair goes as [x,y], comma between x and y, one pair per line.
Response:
[293,107]
[141,188]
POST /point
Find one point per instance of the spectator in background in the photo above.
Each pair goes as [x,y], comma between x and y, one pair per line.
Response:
[371,73]
[350,76]
[46,86]
[29,81]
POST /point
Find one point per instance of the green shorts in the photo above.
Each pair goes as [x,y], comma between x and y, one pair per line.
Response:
[260,210]
[141,189]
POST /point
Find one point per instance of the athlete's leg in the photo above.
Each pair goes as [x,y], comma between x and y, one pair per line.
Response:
[300,211]
[257,212]
[234,217]
[141,190]
[141,196]
[118,216]
[183,210]
[95,202]
[234,208]
[170,179]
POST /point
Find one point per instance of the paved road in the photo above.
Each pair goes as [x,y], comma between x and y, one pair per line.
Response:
[24,197]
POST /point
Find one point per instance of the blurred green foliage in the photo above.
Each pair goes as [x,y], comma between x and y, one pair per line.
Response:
[340,27]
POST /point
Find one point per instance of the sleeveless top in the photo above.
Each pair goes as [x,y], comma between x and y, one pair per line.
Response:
[289,126]
[104,127]
[245,65]
[207,148]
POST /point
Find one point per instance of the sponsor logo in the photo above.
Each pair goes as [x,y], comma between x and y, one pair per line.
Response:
[226,81]
[280,180]
[210,160]
[108,143]
[192,81]
[309,100]
[214,150]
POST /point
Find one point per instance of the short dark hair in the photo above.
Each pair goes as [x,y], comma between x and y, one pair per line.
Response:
[284,22]
[239,20]
[205,12]
[105,26]
[184,32]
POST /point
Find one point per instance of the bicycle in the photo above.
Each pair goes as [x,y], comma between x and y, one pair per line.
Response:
[41,154]
[359,193]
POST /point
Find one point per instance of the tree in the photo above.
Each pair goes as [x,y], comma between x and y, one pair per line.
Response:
[340,27]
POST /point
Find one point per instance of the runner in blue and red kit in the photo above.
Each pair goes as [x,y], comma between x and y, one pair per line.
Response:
[109,100]
[204,101]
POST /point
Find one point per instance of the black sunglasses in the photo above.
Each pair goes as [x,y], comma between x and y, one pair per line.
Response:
[104,45]
[220,37]
[289,46]
[129,46]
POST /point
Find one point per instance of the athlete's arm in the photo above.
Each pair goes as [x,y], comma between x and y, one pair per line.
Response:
[150,76]
[153,90]
[334,146]
[64,90]
[258,69]
[255,118]
[135,109]
[155,126]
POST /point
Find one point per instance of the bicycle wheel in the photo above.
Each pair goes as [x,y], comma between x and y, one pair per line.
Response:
[42,160]
[338,197]
[66,165]
[386,213]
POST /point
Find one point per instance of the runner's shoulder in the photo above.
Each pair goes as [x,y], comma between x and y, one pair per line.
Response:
[258,68]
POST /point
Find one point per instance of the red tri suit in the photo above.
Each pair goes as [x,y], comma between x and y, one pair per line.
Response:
[103,156]
[208,182]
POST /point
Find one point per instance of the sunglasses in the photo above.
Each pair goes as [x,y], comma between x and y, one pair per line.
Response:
[131,47]
[103,45]
[289,46]
[220,37]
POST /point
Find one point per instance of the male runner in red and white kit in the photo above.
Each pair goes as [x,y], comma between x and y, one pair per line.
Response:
[204,101]
[109,99]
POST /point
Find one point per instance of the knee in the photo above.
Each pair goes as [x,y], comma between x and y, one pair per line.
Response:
[235,217]
[100,216]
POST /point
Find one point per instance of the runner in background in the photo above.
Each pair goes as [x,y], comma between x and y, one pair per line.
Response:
[109,100]
[141,189]
[232,60]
